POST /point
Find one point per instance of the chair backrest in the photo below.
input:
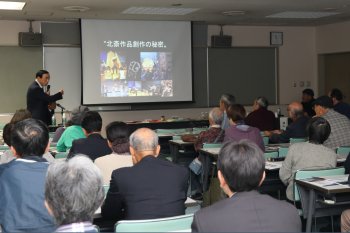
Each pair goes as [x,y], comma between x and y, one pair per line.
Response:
[171,131]
[343,150]
[106,188]
[266,140]
[198,130]
[173,224]
[282,152]
[304,174]
[51,134]
[176,137]
[296,140]
[212,145]
[4,147]
[271,155]
[61,155]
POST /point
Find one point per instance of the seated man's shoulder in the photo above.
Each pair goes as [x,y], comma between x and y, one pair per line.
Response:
[282,206]
[123,171]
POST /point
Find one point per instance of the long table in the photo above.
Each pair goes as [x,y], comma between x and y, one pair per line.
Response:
[189,123]
[323,198]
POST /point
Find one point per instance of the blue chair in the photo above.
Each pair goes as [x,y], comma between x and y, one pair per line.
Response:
[212,145]
[106,188]
[266,140]
[282,152]
[171,131]
[271,155]
[343,150]
[296,140]
[61,155]
[176,137]
[198,130]
[178,223]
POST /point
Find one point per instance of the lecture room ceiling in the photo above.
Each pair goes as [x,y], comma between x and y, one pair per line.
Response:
[239,12]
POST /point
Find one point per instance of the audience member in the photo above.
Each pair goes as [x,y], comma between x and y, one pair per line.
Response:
[59,131]
[260,117]
[226,101]
[213,135]
[241,170]
[340,124]
[307,100]
[73,192]
[22,180]
[75,131]
[8,155]
[308,155]
[94,145]
[118,140]
[297,129]
[20,115]
[338,104]
[152,188]
[239,130]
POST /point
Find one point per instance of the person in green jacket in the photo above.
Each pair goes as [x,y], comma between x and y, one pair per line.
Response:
[75,131]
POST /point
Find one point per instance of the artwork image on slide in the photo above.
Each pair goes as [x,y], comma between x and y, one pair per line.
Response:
[131,74]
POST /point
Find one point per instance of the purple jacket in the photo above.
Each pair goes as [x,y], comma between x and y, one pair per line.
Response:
[239,132]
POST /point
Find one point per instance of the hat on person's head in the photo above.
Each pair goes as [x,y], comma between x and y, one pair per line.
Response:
[323,101]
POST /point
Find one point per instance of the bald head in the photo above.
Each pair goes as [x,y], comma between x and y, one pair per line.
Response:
[144,139]
[215,116]
[143,142]
[295,110]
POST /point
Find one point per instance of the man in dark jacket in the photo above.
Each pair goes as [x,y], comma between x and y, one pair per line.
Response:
[297,129]
[94,145]
[241,170]
[39,101]
[152,188]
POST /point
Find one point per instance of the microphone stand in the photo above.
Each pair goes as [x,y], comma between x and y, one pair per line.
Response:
[61,114]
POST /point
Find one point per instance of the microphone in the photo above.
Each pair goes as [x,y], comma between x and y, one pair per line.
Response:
[63,108]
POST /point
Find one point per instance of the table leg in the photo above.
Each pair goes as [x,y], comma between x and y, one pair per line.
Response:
[311,209]
[174,150]
[205,170]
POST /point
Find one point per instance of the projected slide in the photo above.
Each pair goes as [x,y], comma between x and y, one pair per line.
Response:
[136,61]
[141,74]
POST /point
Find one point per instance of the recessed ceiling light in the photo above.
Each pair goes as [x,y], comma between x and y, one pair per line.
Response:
[76,8]
[330,9]
[18,6]
[159,10]
[232,13]
[302,14]
[177,4]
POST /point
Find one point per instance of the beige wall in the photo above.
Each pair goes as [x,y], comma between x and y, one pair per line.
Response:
[333,38]
[296,57]
[11,28]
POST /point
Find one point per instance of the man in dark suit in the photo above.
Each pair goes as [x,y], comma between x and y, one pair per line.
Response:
[241,170]
[94,145]
[297,129]
[39,101]
[152,188]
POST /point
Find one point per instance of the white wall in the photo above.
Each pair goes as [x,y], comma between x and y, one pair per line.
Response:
[296,57]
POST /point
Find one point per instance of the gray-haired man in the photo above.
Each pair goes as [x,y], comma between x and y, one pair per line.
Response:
[152,188]
[73,192]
